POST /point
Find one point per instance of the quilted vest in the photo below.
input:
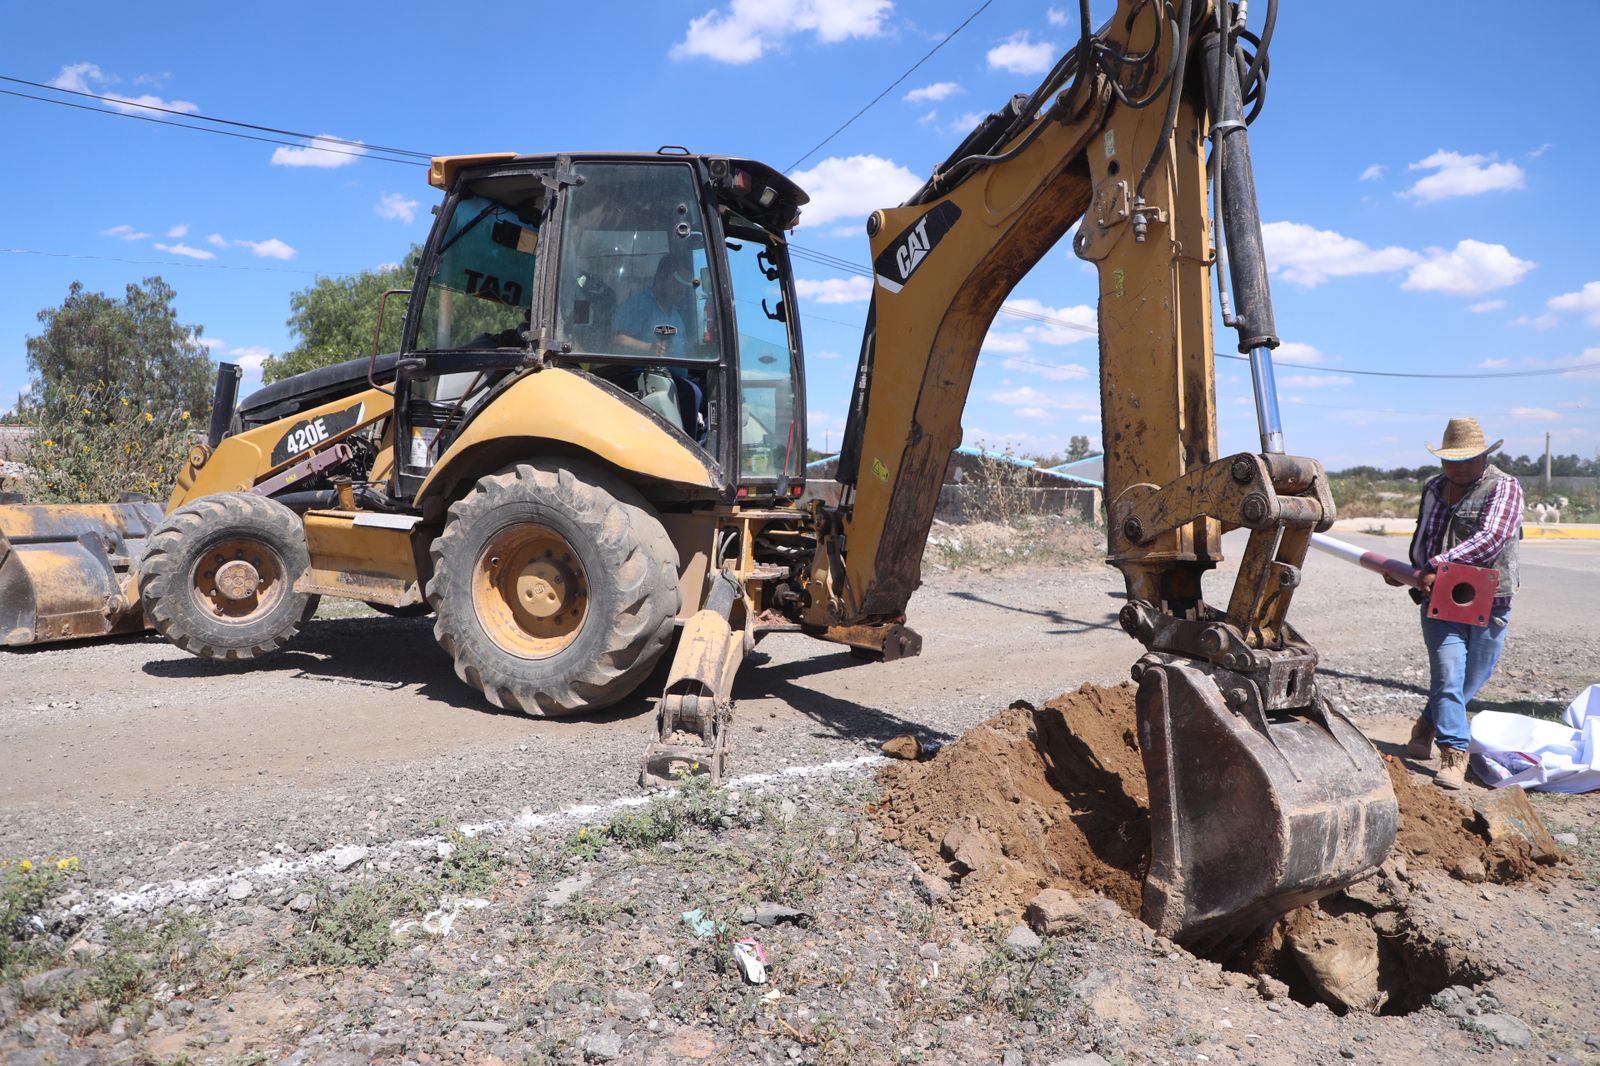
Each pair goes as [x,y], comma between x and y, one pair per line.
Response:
[1467,520]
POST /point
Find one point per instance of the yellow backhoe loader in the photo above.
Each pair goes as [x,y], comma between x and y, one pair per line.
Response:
[595,429]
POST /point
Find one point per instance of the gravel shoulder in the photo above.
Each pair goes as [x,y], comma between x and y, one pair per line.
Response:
[174,781]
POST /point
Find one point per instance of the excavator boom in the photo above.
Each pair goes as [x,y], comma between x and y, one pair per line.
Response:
[1263,796]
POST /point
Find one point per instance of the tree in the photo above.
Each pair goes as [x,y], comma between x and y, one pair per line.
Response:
[133,351]
[332,319]
[1078,448]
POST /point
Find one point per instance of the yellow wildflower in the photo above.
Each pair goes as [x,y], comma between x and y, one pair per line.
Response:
[124,401]
[49,443]
[25,865]
[66,865]
[87,411]
[186,416]
[148,417]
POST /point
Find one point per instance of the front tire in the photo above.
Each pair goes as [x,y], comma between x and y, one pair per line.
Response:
[554,588]
[218,577]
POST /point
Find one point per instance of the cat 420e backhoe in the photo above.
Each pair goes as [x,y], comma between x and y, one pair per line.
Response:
[596,426]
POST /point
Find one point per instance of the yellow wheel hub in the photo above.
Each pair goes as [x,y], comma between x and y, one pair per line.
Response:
[238,580]
[530,591]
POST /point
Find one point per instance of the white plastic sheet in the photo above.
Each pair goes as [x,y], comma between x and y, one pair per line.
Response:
[1531,753]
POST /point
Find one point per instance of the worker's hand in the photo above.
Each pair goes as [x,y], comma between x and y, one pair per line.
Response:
[1389,580]
[1427,581]
[660,346]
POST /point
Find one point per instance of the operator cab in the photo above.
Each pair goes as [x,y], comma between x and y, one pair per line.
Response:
[664,276]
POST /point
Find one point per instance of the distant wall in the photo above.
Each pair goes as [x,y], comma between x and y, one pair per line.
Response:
[14,442]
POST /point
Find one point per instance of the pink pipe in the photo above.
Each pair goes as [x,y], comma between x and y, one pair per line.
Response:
[1402,572]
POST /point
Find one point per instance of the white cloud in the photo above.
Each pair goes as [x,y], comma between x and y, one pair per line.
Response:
[178,232]
[966,122]
[1028,396]
[826,356]
[1048,371]
[272,248]
[1373,173]
[1308,256]
[88,78]
[184,249]
[211,344]
[1006,342]
[397,208]
[1493,364]
[853,187]
[1487,305]
[1021,54]
[1070,326]
[932,93]
[929,118]
[1455,174]
[1296,352]
[1314,381]
[1541,150]
[1543,414]
[746,29]
[218,240]
[1469,269]
[321,151]
[124,233]
[1544,321]
[1590,358]
[1585,301]
[250,356]
[1057,17]
[853,290]
[1033,412]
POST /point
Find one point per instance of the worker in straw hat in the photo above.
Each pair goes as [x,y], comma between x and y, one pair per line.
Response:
[1470,513]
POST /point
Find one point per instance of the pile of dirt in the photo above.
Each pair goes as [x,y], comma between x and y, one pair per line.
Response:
[1056,797]
[1438,832]
[1053,797]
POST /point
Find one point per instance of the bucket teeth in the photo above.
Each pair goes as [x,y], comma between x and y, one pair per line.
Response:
[1252,815]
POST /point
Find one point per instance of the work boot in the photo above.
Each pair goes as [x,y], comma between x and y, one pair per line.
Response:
[1420,746]
[1452,768]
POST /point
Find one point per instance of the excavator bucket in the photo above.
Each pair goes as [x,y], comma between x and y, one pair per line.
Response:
[69,571]
[1252,813]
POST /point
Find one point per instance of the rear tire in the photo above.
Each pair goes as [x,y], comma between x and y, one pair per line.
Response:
[218,577]
[554,588]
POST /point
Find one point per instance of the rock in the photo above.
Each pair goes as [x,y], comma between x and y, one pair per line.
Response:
[41,985]
[634,1006]
[691,1045]
[929,952]
[1339,956]
[768,914]
[1023,942]
[1053,912]
[302,903]
[787,811]
[8,1008]
[904,746]
[1566,840]
[1090,1059]
[240,890]
[492,1028]
[1013,1058]
[930,888]
[562,891]
[1503,1027]
[1507,814]
[1470,868]
[971,849]
[346,857]
[1102,909]
[602,1046]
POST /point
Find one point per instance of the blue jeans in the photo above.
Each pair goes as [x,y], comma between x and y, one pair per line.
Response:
[1460,658]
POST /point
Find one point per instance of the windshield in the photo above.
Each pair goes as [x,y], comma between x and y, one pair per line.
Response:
[480,290]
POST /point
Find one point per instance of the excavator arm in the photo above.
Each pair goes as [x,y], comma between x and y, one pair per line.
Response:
[1263,797]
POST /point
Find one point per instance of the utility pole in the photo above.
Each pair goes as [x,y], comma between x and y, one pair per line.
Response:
[1547,461]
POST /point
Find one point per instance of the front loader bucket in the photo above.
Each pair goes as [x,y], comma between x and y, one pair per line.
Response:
[69,571]
[1251,815]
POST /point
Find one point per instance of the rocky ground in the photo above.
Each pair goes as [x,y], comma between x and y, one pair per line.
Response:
[413,893]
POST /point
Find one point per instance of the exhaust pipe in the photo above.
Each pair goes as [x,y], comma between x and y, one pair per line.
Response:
[224,401]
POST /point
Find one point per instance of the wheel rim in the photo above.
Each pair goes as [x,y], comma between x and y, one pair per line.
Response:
[239,580]
[530,591]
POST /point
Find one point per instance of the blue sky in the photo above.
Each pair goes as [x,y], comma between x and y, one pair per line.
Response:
[1425,188]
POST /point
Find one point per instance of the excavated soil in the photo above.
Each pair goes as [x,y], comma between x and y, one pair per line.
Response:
[1056,797]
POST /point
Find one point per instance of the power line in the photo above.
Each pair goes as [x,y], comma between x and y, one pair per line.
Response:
[200,264]
[209,118]
[909,70]
[208,129]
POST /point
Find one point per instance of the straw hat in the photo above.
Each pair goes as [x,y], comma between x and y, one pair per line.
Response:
[1463,439]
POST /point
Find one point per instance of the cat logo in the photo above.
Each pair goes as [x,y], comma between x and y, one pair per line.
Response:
[912,247]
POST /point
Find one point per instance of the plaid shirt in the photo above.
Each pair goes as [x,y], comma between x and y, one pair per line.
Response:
[1502,520]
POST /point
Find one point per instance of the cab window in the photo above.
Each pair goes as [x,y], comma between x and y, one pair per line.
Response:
[770,437]
[480,289]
